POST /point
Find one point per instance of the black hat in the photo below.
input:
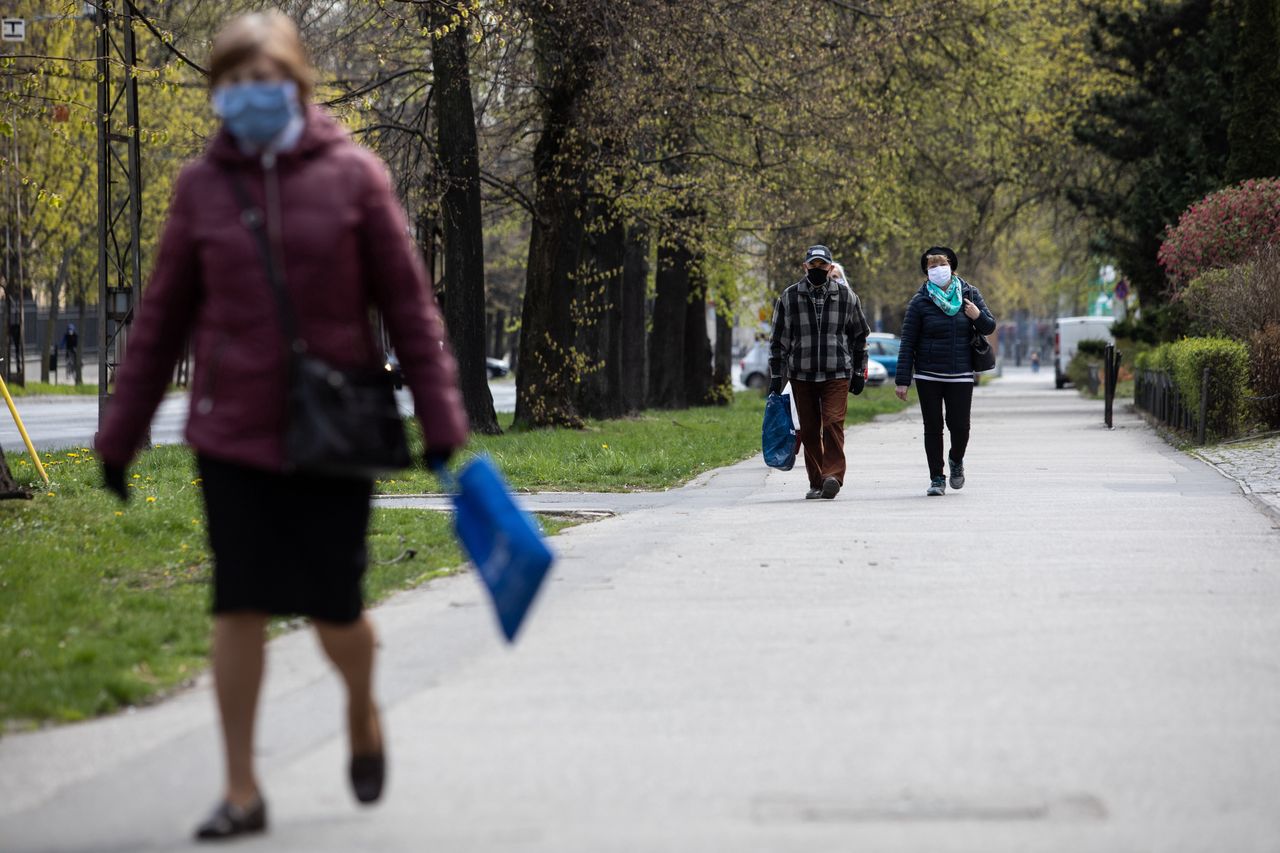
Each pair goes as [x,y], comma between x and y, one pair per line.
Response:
[818,253]
[938,250]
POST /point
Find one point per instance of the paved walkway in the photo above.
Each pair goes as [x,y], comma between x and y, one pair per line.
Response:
[1254,464]
[1078,652]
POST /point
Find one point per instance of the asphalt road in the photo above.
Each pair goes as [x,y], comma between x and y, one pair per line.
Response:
[56,422]
[1078,652]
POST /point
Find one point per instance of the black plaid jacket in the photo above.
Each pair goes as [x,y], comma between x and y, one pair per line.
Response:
[802,350]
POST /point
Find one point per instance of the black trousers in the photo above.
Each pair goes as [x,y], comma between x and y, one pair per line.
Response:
[957,399]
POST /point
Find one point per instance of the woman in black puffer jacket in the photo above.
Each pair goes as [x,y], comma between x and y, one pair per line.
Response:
[936,352]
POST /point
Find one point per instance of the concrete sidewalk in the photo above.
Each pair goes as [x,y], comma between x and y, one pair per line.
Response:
[1078,652]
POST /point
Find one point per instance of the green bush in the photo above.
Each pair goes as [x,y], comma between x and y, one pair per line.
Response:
[1155,358]
[1228,364]
[1092,346]
[1078,369]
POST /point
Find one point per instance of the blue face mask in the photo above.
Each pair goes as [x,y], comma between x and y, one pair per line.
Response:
[256,112]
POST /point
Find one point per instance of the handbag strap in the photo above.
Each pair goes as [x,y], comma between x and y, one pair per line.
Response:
[253,218]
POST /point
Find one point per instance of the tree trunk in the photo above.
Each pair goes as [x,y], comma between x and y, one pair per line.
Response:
[635,285]
[599,322]
[8,487]
[670,312]
[697,345]
[722,378]
[464,304]
[544,385]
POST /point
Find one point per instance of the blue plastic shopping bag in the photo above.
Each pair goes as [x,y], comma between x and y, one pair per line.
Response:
[778,433]
[502,540]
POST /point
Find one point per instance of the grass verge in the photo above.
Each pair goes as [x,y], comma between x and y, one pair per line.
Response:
[45,389]
[104,606]
[656,449]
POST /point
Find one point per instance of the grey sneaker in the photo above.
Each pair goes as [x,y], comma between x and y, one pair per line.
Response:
[813,494]
[957,473]
[937,487]
[830,488]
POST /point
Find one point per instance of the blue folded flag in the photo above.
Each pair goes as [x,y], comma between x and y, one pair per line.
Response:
[502,540]
[778,434]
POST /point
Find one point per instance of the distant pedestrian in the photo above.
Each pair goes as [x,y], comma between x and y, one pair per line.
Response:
[936,353]
[282,543]
[1035,361]
[71,344]
[820,345]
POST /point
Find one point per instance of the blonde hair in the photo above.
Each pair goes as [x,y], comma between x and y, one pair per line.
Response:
[272,34]
[837,271]
[942,258]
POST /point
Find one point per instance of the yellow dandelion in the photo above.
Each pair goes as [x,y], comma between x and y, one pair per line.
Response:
[183,546]
[53,494]
[151,499]
[73,455]
[605,446]
[137,476]
[132,486]
[119,513]
[195,521]
[197,481]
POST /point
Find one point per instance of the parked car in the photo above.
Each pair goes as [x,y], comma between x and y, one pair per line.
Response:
[755,368]
[497,367]
[883,349]
[876,374]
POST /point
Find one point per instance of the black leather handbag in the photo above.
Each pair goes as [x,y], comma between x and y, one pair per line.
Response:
[981,354]
[340,422]
[984,357]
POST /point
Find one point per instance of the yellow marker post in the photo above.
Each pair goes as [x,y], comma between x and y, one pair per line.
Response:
[13,410]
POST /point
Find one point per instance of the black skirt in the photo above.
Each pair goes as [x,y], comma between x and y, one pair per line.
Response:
[286,544]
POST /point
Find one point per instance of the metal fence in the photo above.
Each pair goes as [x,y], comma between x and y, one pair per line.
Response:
[1156,393]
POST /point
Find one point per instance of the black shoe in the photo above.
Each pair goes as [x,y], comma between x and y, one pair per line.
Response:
[830,488]
[957,473]
[937,487]
[812,494]
[368,773]
[229,820]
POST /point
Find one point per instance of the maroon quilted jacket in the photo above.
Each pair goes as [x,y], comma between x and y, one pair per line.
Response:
[346,247]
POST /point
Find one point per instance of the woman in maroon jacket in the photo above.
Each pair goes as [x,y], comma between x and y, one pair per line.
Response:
[282,543]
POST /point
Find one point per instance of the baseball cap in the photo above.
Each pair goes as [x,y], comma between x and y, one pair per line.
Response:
[818,253]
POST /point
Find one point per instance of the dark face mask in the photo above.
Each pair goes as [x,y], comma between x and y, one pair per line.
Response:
[817,276]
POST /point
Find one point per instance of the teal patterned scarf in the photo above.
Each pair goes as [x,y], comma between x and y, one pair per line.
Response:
[948,300]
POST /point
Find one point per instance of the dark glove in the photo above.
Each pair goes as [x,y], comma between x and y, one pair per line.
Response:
[775,385]
[436,460]
[113,480]
[857,382]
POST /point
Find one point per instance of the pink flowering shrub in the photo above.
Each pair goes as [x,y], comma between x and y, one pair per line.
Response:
[1222,229]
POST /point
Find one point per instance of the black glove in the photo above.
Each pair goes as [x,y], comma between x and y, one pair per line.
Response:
[775,385]
[856,383]
[437,459]
[113,480]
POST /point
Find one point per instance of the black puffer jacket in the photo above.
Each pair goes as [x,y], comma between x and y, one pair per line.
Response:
[932,342]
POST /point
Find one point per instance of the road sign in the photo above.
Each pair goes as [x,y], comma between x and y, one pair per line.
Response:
[13,29]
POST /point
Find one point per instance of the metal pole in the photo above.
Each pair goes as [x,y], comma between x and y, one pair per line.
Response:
[102,22]
[1204,404]
[1109,383]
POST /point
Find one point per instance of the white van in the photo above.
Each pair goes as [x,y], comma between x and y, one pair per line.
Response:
[1068,332]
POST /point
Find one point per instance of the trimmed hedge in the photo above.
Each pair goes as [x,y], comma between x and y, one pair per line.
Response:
[1228,363]
[1096,347]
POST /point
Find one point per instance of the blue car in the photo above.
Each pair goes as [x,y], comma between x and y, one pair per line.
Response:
[884,349]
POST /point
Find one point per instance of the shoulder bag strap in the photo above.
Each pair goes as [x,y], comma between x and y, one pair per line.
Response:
[252,217]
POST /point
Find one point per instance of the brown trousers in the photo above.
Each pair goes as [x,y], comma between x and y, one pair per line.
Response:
[822,407]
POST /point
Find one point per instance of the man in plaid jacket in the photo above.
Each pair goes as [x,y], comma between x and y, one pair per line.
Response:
[820,344]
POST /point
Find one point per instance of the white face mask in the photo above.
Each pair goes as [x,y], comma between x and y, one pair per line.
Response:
[940,275]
